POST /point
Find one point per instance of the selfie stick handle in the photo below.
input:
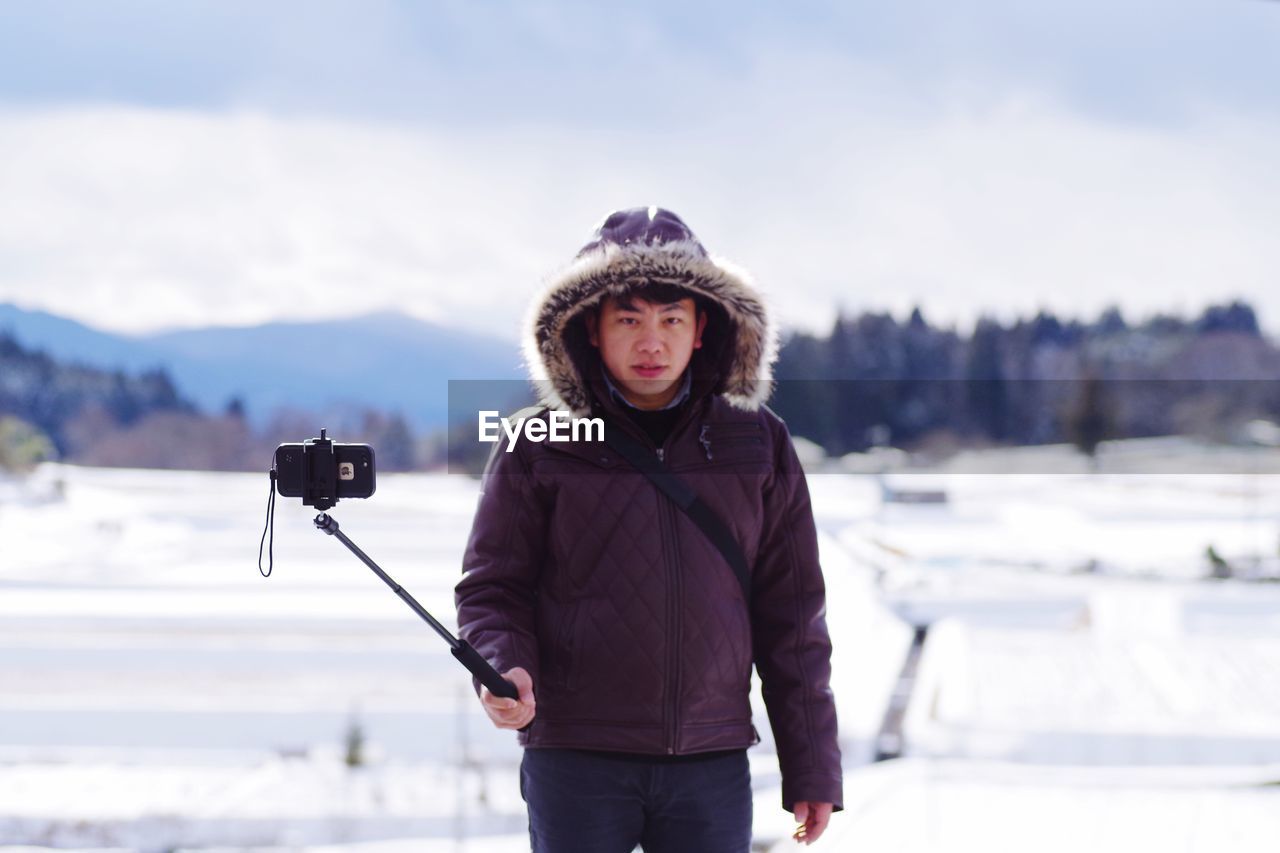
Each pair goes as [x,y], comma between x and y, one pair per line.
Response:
[461,649]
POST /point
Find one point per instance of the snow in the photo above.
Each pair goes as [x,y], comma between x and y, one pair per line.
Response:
[1082,686]
[926,805]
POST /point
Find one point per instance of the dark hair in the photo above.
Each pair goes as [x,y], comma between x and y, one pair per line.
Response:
[659,293]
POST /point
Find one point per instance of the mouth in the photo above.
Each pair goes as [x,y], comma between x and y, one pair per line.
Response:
[649,371]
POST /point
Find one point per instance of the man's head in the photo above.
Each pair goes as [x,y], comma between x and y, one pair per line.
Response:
[649,248]
[646,339]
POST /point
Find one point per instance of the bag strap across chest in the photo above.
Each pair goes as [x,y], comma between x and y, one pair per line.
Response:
[685,499]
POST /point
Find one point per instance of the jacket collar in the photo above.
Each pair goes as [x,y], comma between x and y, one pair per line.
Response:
[682,394]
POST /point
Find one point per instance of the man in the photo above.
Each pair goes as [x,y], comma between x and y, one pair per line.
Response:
[626,631]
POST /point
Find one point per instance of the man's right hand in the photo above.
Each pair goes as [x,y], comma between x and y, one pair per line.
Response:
[510,713]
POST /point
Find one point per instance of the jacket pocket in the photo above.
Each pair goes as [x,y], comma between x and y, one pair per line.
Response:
[731,442]
[567,648]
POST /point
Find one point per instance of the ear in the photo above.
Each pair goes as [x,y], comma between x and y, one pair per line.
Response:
[592,319]
[702,325]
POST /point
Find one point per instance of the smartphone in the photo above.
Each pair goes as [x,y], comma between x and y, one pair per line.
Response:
[352,471]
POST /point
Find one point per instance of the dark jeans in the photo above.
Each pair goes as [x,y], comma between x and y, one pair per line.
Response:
[585,802]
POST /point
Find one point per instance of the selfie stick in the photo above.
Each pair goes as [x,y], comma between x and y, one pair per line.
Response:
[461,649]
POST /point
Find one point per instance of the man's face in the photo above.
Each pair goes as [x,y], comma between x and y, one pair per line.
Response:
[646,346]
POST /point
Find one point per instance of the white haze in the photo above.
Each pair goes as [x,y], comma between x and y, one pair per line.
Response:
[135,219]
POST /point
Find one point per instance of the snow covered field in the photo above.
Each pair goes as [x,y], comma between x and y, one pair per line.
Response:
[1081,686]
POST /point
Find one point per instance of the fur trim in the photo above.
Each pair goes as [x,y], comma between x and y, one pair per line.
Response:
[746,379]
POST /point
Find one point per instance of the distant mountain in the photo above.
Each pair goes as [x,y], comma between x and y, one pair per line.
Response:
[386,361]
[68,340]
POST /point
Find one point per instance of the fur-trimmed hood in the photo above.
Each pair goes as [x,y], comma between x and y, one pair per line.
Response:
[634,247]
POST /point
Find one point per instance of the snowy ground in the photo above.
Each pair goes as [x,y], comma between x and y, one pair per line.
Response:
[1081,686]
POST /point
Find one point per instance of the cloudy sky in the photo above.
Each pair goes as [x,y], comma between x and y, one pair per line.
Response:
[225,162]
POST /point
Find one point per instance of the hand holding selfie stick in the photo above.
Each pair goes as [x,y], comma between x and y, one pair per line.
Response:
[320,471]
[461,649]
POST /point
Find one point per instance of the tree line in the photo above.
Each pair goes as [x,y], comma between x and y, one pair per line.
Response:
[76,413]
[877,381]
[871,381]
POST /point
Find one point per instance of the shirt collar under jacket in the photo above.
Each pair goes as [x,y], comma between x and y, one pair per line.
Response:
[680,397]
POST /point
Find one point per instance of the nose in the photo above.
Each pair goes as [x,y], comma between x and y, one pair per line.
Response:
[649,339]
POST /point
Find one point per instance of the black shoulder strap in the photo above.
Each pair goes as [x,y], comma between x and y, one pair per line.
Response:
[684,498]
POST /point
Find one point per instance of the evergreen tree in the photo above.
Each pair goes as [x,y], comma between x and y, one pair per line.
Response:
[987,387]
[1091,418]
[1235,317]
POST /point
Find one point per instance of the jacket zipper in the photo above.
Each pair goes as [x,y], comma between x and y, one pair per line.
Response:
[676,429]
[643,436]
[674,592]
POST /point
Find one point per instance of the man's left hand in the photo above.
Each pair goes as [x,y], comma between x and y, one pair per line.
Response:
[813,819]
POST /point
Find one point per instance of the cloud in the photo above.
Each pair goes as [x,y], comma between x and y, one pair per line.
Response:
[628,65]
[134,218]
